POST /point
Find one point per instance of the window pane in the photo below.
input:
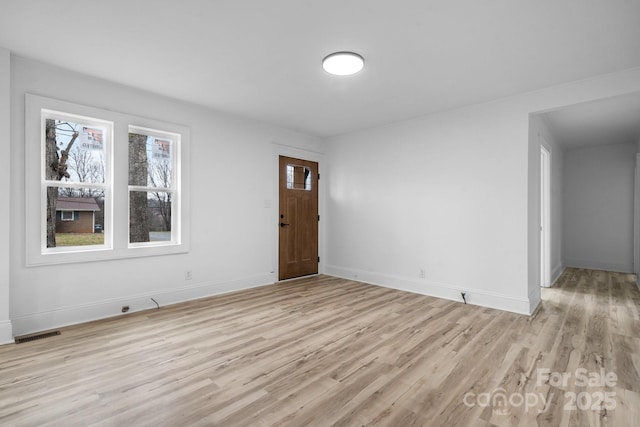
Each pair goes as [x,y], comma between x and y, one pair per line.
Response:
[298,177]
[75,152]
[149,216]
[150,160]
[74,217]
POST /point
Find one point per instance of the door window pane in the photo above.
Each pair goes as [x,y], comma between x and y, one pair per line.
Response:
[298,178]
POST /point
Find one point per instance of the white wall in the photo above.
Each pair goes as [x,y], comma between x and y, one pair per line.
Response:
[636,264]
[455,193]
[599,197]
[539,128]
[436,193]
[5,180]
[233,211]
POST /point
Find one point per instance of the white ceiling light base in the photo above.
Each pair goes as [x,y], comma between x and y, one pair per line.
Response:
[343,63]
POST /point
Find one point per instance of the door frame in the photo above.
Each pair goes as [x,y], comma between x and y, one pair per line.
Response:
[636,221]
[545,214]
[280,149]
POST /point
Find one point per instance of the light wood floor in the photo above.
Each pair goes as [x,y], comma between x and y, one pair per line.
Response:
[327,351]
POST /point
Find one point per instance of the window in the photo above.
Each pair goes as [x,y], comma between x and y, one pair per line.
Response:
[76,209]
[67,215]
[298,178]
[152,193]
[76,151]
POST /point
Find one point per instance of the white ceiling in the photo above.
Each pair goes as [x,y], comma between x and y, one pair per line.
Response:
[607,121]
[262,59]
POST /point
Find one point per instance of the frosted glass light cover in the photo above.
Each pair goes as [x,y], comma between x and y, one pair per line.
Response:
[343,63]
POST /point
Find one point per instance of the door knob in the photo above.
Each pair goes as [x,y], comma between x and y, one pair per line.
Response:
[282,224]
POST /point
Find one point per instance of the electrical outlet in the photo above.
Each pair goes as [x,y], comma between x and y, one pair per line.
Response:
[125,308]
[423,273]
[188,275]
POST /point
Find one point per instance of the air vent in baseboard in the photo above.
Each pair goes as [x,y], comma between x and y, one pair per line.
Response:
[33,337]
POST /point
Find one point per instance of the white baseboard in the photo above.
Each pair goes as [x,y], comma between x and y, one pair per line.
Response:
[439,290]
[72,315]
[598,265]
[535,298]
[556,273]
[6,332]
[66,316]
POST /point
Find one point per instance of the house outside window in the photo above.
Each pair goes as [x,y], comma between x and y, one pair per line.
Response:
[80,209]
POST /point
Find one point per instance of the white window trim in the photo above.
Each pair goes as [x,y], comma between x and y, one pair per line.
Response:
[116,226]
[62,218]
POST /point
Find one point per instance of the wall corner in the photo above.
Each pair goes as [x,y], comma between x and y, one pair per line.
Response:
[6,331]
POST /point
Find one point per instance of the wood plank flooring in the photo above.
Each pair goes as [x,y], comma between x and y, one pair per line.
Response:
[325,351]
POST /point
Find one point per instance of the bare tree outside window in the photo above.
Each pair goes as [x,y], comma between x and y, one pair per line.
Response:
[138,206]
[75,169]
[55,170]
[160,177]
[150,186]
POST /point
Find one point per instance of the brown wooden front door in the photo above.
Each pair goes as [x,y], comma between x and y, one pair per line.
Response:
[298,225]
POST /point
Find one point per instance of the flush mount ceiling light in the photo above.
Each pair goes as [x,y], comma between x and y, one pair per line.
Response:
[343,63]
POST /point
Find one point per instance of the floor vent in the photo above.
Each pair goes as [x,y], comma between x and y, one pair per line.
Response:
[27,338]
